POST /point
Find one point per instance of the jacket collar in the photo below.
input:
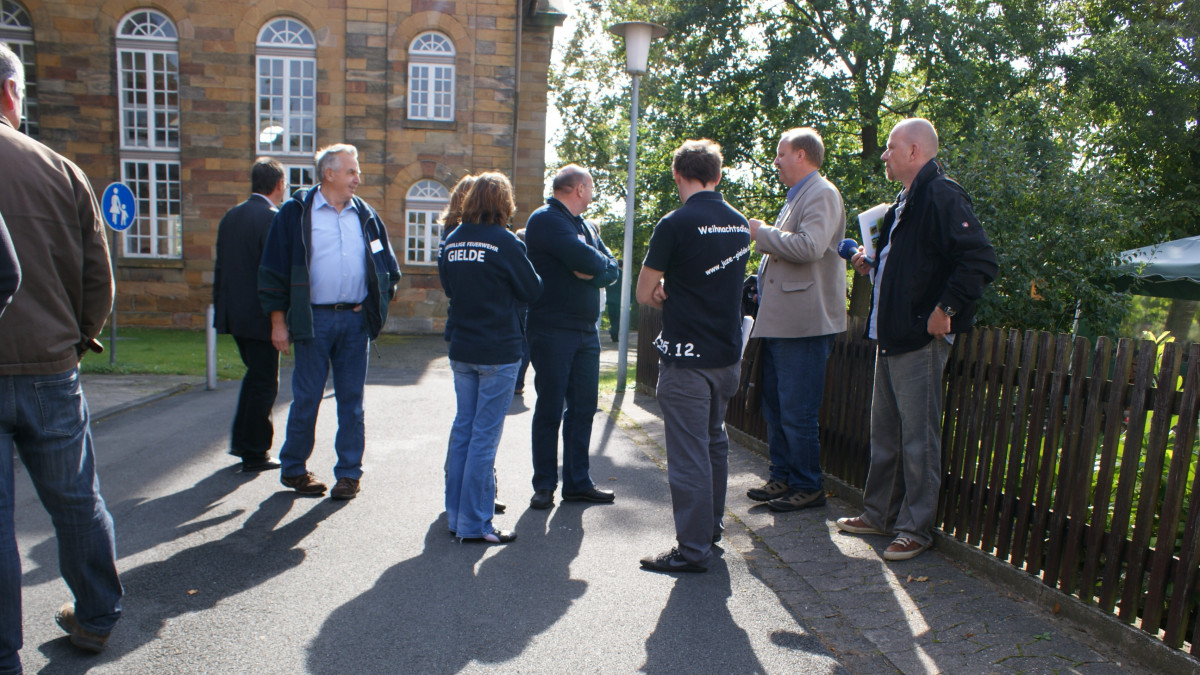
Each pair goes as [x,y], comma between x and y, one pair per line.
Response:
[927,173]
[554,203]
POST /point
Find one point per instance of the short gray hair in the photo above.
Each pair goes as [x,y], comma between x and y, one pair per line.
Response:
[327,157]
[808,140]
[11,67]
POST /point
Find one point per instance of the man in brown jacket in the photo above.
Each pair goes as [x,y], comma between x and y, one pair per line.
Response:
[802,305]
[66,293]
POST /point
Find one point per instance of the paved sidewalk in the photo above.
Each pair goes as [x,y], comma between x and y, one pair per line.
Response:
[927,615]
[109,395]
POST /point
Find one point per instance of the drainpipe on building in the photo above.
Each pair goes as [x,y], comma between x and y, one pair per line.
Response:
[517,86]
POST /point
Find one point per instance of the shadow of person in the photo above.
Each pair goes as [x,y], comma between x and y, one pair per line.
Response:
[196,579]
[142,524]
[696,632]
[435,614]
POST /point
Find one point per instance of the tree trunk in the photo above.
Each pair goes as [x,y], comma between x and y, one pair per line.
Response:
[1180,317]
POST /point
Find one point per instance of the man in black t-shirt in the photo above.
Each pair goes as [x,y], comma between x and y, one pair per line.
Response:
[693,271]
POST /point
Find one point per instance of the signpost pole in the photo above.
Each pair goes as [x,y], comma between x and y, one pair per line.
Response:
[119,208]
[112,321]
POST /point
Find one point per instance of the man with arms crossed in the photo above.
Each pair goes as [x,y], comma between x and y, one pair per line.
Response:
[65,295]
[240,239]
[699,254]
[564,345]
[935,260]
[802,305]
[329,269]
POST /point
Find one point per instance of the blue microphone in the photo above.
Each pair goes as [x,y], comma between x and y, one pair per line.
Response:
[847,248]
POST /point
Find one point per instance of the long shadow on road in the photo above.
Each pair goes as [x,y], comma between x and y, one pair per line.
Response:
[436,614]
[715,643]
[196,579]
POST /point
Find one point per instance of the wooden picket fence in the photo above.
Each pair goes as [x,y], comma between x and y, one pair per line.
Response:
[1077,465]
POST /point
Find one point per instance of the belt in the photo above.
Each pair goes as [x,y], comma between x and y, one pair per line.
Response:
[340,306]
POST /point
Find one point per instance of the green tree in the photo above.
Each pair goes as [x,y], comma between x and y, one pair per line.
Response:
[1137,74]
[740,72]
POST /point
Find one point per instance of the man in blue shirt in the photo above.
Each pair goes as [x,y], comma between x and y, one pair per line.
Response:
[563,341]
[327,275]
[700,251]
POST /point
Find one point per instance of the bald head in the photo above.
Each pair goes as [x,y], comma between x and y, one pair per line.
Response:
[573,187]
[920,132]
[912,143]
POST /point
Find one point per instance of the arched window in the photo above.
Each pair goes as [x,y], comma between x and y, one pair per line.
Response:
[17,31]
[148,70]
[423,232]
[287,93]
[431,78]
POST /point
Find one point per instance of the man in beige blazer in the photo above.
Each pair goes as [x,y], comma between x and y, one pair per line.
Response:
[802,305]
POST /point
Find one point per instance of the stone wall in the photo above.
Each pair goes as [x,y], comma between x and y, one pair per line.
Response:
[362,70]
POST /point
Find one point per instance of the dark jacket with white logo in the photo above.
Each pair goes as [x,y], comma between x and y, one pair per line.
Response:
[489,279]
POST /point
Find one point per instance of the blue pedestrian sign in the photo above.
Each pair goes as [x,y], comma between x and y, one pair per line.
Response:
[118,206]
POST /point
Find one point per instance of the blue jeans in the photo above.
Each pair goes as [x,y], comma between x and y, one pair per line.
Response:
[339,340]
[566,366]
[45,419]
[793,386]
[484,393]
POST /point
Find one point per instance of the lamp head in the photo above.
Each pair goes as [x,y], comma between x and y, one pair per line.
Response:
[638,35]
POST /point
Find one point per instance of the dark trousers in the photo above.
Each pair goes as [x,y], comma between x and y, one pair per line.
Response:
[252,428]
[566,365]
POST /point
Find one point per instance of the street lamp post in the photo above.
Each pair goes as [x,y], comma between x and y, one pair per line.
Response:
[638,35]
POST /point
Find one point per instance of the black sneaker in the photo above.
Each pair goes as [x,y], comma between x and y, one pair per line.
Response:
[671,561]
[772,489]
[797,501]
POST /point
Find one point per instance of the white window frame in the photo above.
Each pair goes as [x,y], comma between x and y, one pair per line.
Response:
[16,29]
[422,230]
[431,78]
[286,82]
[157,232]
[148,37]
[148,41]
[299,176]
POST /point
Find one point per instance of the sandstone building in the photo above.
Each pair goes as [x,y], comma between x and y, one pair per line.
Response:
[177,97]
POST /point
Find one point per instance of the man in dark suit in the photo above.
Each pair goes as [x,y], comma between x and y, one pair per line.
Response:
[240,240]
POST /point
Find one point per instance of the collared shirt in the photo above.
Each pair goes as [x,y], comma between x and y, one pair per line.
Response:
[877,273]
[338,266]
[268,199]
[792,192]
[795,189]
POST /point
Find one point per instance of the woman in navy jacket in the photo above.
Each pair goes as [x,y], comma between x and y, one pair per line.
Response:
[486,276]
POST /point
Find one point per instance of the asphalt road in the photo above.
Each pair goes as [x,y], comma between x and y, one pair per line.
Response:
[230,573]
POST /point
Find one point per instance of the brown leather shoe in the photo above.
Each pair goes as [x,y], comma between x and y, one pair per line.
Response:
[80,636]
[305,484]
[346,488]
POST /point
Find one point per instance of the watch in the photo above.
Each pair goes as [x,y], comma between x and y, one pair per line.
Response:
[947,309]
